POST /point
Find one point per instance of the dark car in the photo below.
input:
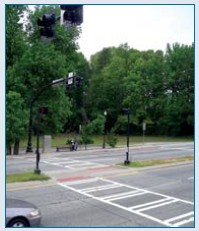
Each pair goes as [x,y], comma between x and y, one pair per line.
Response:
[22,214]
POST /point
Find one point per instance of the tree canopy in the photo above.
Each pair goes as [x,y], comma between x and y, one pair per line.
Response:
[157,87]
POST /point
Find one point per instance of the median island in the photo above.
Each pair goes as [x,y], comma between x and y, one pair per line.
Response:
[26,176]
[146,163]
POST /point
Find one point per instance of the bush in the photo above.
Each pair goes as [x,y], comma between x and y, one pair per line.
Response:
[68,141]
[86,140]
[111,139]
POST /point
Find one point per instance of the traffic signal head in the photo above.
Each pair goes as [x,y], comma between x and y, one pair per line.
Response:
[47,22]
[125,111]
[78,81]
[73,13]
[43,110]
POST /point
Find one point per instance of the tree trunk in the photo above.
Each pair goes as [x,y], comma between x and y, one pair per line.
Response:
[9,150]
[16,147]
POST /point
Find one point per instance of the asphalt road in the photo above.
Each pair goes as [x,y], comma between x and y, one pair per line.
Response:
[87,190]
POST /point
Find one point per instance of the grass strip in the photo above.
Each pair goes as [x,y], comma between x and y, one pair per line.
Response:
[140,164]
[26,176]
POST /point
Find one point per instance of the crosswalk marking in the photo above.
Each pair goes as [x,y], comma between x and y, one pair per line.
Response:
[126,196]
[118,195]
[158,205]
[94,189]
[149,203]
[179,217]
[183,222]
[159,200]
[72,164]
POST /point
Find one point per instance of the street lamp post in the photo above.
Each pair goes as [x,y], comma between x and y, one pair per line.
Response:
[126,112]
[104,141]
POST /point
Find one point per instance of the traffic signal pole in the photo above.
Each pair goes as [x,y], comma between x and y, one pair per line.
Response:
[32,100]
[37,170]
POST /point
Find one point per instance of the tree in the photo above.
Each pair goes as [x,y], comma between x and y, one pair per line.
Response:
[16,118]
[15,35]
[179,112]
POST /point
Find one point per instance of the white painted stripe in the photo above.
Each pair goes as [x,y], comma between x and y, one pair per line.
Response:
[127,196]
[69,161]
[138,212]
[150,203]
[113,204]
[158,205]
[80,163]
[86,166]
[81,181]
[100,159]
[191,178]
[183,222]
[119,194]
[179,217]
[100,188]
[154,193]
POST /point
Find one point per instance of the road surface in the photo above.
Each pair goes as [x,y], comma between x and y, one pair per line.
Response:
[88,190]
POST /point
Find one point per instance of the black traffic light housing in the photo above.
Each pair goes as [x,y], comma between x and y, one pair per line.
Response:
[43,110]
[73,13]
[78,81]
[125,111]
[47,22]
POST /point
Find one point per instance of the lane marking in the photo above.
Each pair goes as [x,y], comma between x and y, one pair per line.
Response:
[149,203]
[71,178]
[31,187]
[147,170]
[191,178]
[179,217]
[158,205]
[73,164]
[126,196]
[118,195]
[138,209]
[113,204]
[82,181]
[120,174]
[183,222]
[100,188]
[99,168]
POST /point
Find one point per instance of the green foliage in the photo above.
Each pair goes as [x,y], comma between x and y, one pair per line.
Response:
[86,135]
[16,117]
[15,36]
[157,88]
[111,139]
[97,125]
[69,141]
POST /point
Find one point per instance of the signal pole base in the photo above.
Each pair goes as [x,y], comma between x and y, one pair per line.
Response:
[29,149]
[37,171]
[127,162]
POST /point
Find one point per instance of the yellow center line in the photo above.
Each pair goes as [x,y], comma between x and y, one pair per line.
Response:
[120,174]
[145,170]
[31,187]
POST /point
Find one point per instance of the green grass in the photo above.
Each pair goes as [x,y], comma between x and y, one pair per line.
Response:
[98,140]
[24,177]
[140,164]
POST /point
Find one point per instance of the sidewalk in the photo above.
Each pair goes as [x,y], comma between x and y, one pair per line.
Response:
[93,148]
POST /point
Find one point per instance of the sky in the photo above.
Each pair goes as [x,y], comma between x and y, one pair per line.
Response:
[143,27]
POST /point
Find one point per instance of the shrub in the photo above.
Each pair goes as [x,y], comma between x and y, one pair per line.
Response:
[111,139]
